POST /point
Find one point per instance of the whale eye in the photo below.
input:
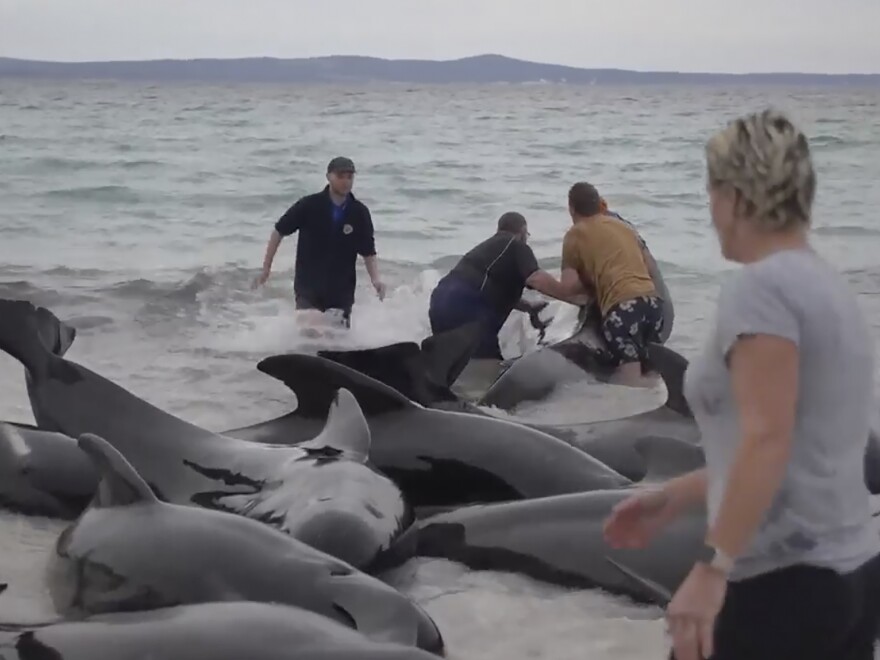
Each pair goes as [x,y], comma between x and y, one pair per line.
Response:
[340,571]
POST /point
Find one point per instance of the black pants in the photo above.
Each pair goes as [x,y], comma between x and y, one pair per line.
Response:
[455,302]
[314,302]
[800,613]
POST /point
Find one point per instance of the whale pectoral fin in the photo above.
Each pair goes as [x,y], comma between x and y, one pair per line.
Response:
[668,457]
[346,428]
[447,354]
[671,366]
[120,484]
[314,380]
[657,592]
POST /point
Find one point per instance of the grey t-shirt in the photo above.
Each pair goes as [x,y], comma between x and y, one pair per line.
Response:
[821,515]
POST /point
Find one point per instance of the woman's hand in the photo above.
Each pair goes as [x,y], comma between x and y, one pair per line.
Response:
[692,612]
[635,521]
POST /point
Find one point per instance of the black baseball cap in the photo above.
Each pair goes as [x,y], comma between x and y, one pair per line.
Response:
[340,164]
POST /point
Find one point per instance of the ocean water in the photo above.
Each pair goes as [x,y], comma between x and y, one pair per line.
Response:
[141,213]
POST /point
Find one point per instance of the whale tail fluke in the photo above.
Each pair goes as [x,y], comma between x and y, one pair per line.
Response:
[21,336]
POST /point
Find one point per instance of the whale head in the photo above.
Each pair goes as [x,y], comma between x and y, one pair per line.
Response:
[325,492]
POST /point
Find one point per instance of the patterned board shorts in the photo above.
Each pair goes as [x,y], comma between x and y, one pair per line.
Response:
[630,326]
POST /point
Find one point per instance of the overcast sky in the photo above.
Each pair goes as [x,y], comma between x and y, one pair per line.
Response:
[833,36]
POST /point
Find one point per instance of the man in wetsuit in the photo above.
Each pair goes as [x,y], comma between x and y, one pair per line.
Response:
[487,284]
[334,227]
[607,257]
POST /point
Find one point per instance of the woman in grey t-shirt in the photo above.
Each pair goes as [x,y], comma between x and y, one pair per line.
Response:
[783,395]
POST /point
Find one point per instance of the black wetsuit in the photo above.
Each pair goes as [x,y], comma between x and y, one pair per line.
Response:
[485,285]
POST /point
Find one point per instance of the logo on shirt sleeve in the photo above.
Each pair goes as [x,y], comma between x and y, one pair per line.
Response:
[347,229]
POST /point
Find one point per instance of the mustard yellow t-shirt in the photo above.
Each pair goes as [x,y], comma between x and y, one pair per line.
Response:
[607,256]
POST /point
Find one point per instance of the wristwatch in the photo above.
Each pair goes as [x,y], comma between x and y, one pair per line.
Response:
[715,559]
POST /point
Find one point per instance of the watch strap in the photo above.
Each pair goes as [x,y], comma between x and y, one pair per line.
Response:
[715,559]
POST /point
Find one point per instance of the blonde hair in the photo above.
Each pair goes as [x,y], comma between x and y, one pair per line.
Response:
[767,162]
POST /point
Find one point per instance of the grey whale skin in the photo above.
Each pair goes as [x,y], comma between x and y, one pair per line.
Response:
[323,491]
[420,373]
[557,540]
[392,381]
[128,551]
[43,473]
[209,631]
[436,457]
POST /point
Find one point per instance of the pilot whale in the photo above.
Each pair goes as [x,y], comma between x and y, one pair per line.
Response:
[437,457]
[418,375]
[558,540]
[207,631]
[324,491]
[537,374]
[43,473]
[427,372]
[130,551]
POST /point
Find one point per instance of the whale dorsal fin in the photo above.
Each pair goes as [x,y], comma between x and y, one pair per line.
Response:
[120,484]
[423,374]
[346,428]
[672,367]
[668,457]
[399,366]
[314,380]
[656,592]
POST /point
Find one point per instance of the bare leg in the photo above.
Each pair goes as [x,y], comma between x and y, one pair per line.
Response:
[630,374]
[312,323]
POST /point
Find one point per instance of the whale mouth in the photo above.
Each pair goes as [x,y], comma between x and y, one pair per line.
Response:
[384,614]
[346,615]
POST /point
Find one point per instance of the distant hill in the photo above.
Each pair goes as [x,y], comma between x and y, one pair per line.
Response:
[356,69]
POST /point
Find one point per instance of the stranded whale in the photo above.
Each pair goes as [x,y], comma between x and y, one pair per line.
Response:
[437,457]
[323,491]
[558,540]
[208,631]
[613,442]
[43,473]
[130,551]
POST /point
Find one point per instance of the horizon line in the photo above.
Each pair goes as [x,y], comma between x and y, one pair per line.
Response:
[437,61]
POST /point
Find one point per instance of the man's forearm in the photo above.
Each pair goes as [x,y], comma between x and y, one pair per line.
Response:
[544,282]
[372,264]
[271,249]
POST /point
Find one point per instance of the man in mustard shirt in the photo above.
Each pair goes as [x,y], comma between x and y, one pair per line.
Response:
[605,255]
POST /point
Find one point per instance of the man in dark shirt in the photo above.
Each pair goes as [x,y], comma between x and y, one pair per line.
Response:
[334,227]
[487,284]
